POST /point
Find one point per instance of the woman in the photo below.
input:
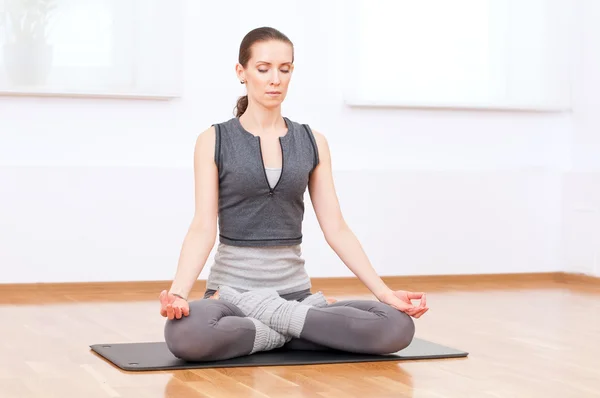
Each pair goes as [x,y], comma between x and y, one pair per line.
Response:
[251,173]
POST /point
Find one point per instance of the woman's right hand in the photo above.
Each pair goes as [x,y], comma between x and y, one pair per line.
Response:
[173,307]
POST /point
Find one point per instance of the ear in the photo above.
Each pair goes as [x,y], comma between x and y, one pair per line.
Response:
[239,71]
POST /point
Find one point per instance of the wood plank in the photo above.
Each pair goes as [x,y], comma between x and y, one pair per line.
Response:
[526,337]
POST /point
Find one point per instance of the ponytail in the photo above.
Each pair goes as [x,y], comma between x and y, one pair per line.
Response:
[242,105]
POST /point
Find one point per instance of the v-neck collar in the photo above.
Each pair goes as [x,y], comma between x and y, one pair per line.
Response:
[282,142]
[285,137]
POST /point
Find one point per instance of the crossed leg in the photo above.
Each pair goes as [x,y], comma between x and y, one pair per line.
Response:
[239,324]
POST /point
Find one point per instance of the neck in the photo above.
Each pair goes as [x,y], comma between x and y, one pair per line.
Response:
[262,120]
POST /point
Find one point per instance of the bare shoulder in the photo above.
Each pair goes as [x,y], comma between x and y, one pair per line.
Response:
[319,136]
[207,136]
[205,143]
[322,144]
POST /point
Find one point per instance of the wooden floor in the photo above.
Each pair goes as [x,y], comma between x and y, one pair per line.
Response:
[527,337]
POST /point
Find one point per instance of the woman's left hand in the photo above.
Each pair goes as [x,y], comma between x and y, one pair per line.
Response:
[401,300]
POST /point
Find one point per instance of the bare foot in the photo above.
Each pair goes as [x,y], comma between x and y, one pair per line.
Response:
[215,296]
[331,300]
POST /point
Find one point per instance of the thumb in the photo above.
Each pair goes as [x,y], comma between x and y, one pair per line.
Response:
[163,297]
[163,303]
[399,304]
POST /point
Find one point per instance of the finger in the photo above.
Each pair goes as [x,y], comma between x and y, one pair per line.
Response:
[163,310]
[163,297]
[413,311]
[163,304]
[400,305]
[414,295]
[420,313]
[178,312]
[423,302]
[185,310]
[170,311]
[406,308]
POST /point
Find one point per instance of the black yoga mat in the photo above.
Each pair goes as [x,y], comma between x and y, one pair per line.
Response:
[156,356]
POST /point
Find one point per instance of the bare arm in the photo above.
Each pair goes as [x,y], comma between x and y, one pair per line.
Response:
[201,235]
[337,233]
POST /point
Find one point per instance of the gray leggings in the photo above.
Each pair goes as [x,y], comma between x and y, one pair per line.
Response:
[217,330]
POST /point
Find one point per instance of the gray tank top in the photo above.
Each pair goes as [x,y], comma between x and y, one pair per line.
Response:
[251,211]
[248,268]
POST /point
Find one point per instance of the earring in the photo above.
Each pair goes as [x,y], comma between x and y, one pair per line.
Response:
[242,82]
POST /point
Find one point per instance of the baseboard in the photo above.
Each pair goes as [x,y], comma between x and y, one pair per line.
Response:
[419,282]
[577,278]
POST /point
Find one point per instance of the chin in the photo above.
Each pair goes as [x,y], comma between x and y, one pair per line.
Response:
[272,103]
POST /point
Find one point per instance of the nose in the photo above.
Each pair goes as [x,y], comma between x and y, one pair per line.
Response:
[275,80]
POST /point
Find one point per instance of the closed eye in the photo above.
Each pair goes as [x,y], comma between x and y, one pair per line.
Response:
[266,70]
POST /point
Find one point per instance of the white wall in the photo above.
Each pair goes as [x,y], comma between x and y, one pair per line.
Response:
[581,206]
[102,189]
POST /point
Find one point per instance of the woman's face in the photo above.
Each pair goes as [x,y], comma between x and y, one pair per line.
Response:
[268,73]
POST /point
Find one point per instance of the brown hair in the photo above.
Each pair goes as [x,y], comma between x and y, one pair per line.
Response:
[255,36]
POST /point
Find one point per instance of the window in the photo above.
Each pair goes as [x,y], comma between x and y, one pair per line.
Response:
[91,47]
[460,53]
